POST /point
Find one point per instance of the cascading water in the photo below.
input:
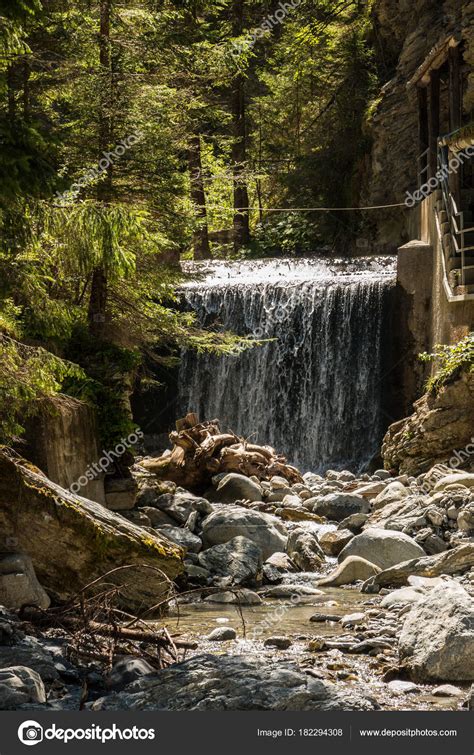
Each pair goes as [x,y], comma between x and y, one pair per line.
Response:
[314,392]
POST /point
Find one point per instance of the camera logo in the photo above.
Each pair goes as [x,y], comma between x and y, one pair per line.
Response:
[30,733]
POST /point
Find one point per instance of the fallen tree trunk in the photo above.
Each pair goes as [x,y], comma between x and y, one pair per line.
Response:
[202,450]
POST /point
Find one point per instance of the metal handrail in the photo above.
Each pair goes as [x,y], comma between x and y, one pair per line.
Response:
[453,214]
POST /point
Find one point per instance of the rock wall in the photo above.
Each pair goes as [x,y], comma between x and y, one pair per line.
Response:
[62,442]
[441,426]
[404,33]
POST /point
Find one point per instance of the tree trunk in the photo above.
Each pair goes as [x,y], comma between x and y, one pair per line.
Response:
[98,293]
[239,145]
[201,246]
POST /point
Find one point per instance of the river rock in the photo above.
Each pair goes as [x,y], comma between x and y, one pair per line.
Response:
[395,491]
[19,585]
[400,687]
[281,561]
[31,654]
[354,523]
[229,522]
[338,506]
[239,558]
[370,490]
[332,543]
[384,548]
[210,682]
[181,536]
[241,597]
[437,638]
[281,643]
[20,685]
[127,670]
[73,541]
[304,550]
[293,591]
[155,517]
[221,634]
[235,487]
[457,560]
[457,478]
[447,690]
[178,506]
[352,569]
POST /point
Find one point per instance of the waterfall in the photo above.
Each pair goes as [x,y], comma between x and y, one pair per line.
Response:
[314,391]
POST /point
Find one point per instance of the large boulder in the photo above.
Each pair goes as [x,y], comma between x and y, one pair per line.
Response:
[437,638]
[179,505]
[384,548]
[73,541]
[210,682]
[239,559]
[181,536]
[20,685]
[458,478]
[455,561]
[338,506]
[232,521]
[351,570]
[18,583]
[235,487]
[304,550]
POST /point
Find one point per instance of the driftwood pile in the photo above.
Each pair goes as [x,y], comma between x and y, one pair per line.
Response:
[200,451]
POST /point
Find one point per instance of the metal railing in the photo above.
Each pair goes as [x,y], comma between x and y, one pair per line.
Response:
[455,216]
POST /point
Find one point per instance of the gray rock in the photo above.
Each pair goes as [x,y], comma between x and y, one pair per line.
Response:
[457,560]
[197,573]
[402,597]
[235,487]
[229,522]
[469,703]
[338,506]
[221,634]
[209,682]
[127,670]
[239,559]
[354,523]
[447,690]
[20,685]
[181,536]
[291,591]
[466,518]
[155,517]
[394,491]
[352,619]
[281,561]
[281,643]
[241,597]
[352,569]
[120,494]
[332,543]
[437,638]
[304,550]
[457,478]
[400,687]
[19,585]
[31,654]
[382,474]
[384,548]
[181,504]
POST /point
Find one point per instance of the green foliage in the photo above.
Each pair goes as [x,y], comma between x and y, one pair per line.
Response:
[27,375]
[450,362]
[286,234]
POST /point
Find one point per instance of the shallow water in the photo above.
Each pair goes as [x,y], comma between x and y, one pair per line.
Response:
[253,624]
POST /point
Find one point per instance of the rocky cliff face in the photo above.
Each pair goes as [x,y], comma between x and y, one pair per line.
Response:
[404,33]
[441,429]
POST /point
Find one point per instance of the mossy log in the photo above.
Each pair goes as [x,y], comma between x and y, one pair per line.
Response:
[73,541]
[201,450]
